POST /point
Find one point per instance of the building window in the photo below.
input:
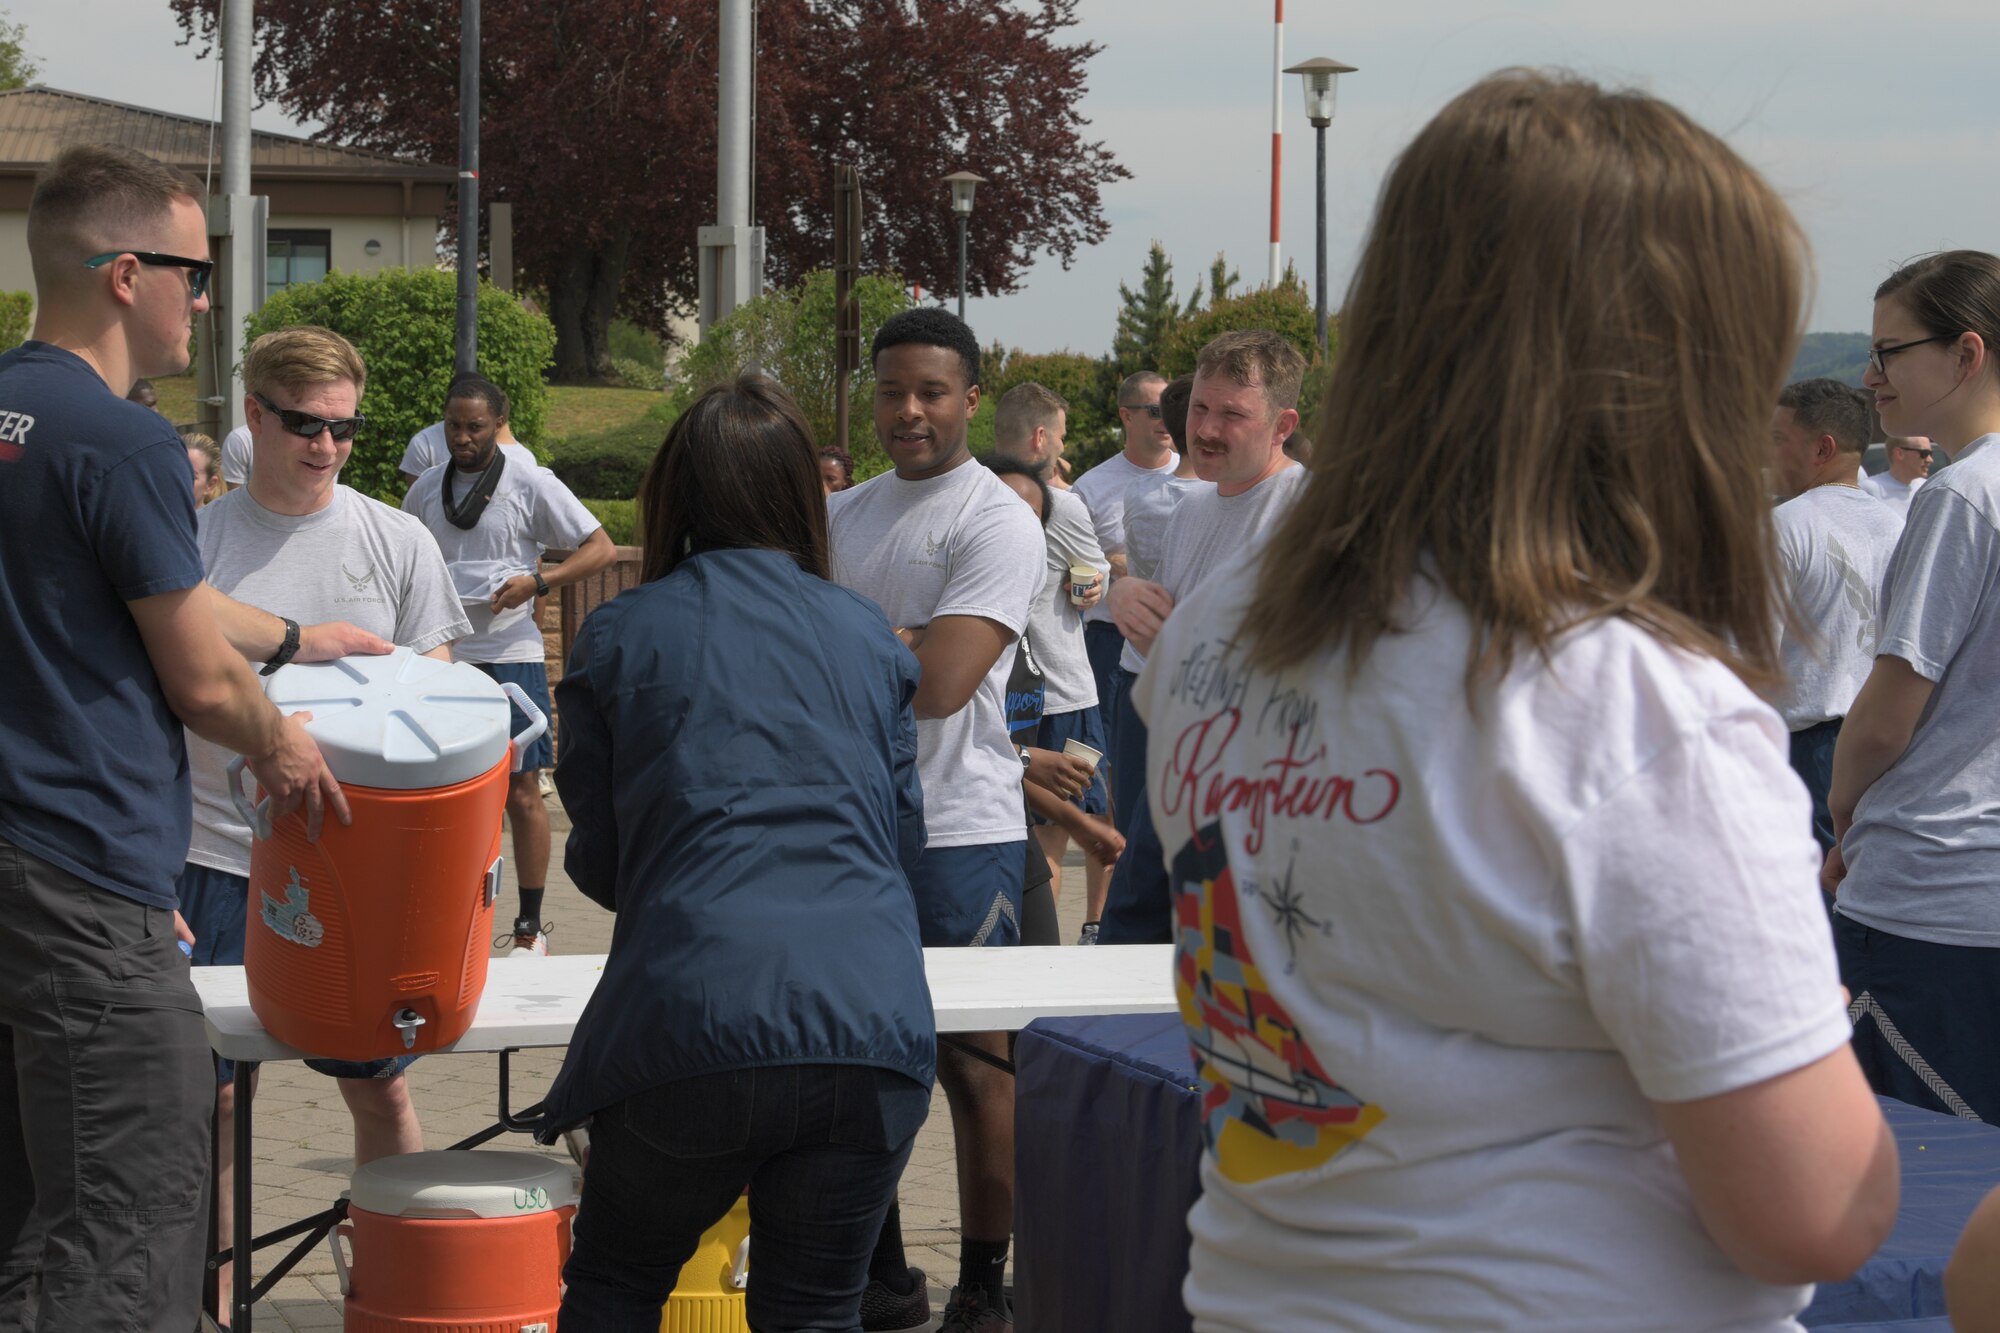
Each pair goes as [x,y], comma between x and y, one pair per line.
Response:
[292,257]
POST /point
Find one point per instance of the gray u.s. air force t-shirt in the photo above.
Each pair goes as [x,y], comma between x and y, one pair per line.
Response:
[1923,857]
[356,560]
[1834,544]
[960,544]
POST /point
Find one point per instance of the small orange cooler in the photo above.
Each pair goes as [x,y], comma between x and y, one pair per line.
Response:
[373,941]
[456,1242]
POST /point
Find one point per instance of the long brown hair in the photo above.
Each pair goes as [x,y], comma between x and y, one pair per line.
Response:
[737,470]
[1558,361]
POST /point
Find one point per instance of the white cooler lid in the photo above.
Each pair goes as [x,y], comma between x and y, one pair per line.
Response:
[401,722]
[463,1184]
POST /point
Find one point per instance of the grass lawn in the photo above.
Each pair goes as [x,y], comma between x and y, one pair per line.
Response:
[577,411]
[177,399]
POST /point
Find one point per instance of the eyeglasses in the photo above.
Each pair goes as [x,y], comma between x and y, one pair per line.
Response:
[1877,355]
[198,269]
[1150,409]
[1911,449]
[307,426]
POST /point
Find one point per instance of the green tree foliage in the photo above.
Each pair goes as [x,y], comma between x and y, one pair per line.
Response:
[1285,308]
[1221,279]
[787,334]
[402,321]
[17,311]
[17,68]
[1093,414]
[1838,356]
[1147,317]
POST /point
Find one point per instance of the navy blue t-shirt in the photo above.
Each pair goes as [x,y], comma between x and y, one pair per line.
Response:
[96,509]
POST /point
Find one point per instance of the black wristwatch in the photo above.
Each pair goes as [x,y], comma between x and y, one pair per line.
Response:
[541,584]
[286,650]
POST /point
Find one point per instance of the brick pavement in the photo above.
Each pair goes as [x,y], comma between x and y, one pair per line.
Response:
[303,1138]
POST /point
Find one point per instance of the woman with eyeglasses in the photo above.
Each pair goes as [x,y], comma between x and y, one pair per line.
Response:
[1500,946]
[739,765]
[1917,770]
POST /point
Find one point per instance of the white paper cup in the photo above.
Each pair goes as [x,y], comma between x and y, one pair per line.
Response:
[1082,751]
[1080,579]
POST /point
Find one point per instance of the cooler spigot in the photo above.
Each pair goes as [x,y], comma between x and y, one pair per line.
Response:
[407,1022]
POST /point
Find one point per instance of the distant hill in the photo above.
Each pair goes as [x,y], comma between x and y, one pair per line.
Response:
[1840,356]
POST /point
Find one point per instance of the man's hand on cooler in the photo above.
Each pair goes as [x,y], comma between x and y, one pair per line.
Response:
[1139,608]
[292,771]
[333,639]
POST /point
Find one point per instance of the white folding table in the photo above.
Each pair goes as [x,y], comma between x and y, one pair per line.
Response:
[533,1001]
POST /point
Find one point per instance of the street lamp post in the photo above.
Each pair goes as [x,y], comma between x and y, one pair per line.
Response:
[1321,79]
[962,183]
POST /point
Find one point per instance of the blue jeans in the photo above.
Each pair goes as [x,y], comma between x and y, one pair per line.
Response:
[820,1147]
[1139,904]
[1103,644]
[1812,760]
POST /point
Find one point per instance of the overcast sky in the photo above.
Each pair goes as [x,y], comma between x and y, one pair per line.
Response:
[1873,119]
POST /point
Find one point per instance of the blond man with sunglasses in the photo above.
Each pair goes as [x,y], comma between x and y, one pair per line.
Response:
[298,544]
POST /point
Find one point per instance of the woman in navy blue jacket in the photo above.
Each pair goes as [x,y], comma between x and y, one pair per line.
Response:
[739,767]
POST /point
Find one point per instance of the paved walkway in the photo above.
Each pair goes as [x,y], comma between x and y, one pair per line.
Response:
[304,1138]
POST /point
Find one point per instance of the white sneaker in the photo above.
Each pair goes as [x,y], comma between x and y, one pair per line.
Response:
[527,938]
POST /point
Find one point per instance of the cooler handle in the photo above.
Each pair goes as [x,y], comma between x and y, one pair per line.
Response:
[538,724]
[341,1231]
[739,1273]
[258,817]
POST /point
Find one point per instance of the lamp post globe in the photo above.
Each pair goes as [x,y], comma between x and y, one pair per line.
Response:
[1321,77]
[963,184]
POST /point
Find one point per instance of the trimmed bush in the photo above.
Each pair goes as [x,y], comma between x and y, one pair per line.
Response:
[619,517]
[17,312]
[612,468]
[1286,309]
[403,322]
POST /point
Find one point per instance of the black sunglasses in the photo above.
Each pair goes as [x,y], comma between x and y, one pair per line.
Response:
[1877,355]
[307,426]
[1150,409]
[198,269]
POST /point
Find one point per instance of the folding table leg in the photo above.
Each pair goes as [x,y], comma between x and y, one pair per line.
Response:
[239,1240]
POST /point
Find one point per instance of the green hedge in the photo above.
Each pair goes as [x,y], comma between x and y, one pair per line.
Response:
[612,463]
[17,312]
[619,517]
[403,322]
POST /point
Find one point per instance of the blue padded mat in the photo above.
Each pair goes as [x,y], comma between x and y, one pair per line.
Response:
[1109,1140]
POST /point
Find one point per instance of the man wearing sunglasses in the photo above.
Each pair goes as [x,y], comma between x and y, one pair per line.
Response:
[1909,466]
[298,544]
[1146,455]
[112,641]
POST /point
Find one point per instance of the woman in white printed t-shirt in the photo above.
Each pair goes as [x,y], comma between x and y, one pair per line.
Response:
[1499,941]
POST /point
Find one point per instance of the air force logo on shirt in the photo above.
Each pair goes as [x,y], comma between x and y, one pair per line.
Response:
[363,583]
[934,553]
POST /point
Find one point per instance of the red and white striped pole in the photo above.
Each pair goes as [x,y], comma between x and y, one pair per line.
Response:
[1277,127]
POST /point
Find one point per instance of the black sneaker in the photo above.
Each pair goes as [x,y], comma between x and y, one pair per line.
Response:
[968,1312]
[527,936]
[883,1310]
[1089,935]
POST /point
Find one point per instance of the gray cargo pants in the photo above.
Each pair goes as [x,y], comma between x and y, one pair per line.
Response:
[106,1093]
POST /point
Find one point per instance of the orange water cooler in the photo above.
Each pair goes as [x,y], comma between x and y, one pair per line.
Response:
[374,941]
[456,1242]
